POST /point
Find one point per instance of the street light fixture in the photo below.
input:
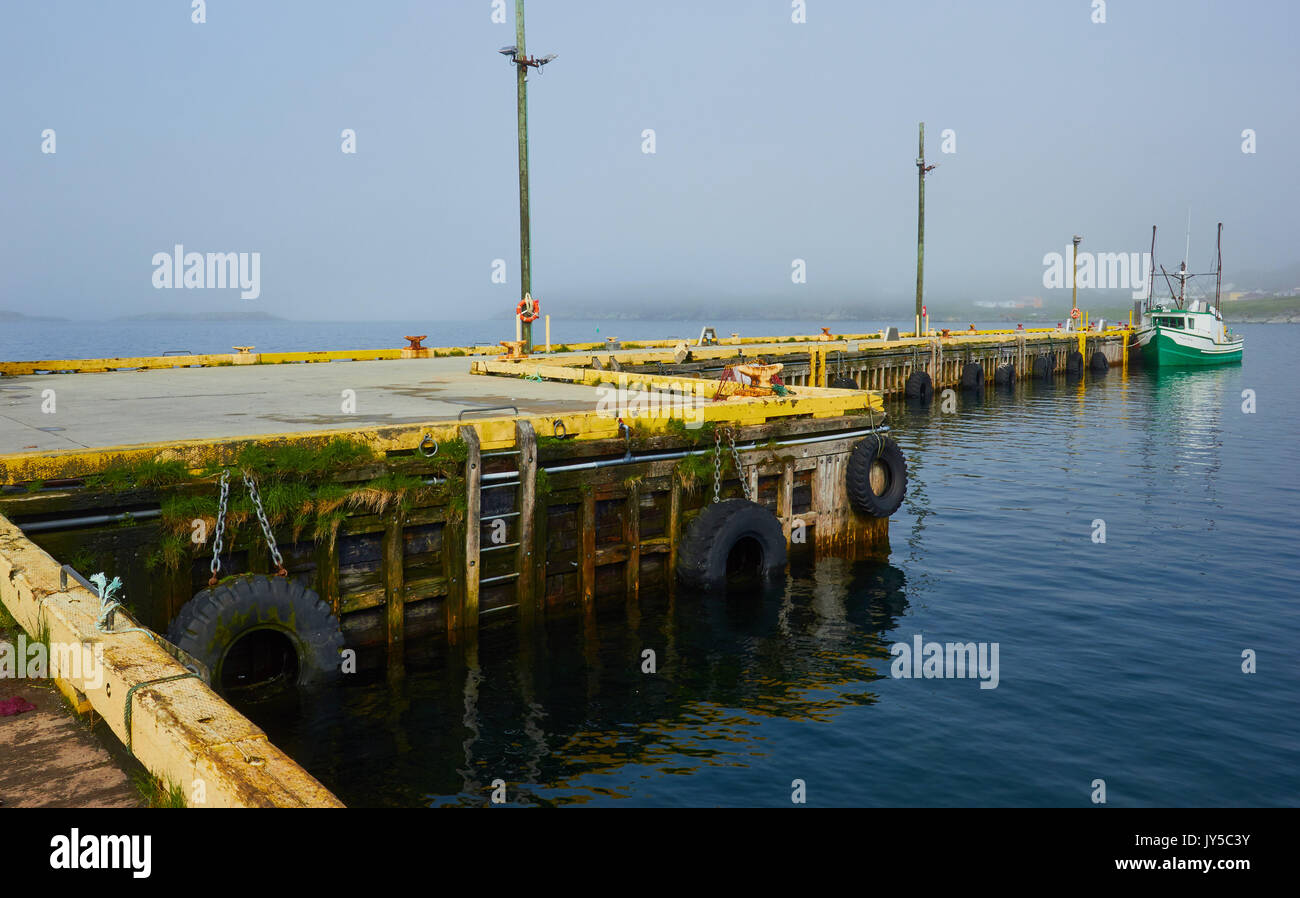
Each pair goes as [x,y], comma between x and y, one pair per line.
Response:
[519,58]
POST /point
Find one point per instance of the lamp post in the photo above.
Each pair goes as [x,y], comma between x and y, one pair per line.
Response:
[921,170]
[1074,279]
[522,62]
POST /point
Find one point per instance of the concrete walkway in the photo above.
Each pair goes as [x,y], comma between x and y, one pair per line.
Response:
[49,758]
[127,407]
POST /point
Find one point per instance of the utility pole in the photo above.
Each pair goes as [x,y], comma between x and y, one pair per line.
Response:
[522,62]
[525,226]
[921,169]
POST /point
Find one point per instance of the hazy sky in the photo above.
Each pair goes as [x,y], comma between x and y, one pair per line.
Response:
[775,141]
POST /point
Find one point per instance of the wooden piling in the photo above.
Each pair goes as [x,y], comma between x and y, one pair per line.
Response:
[526,582]
[327,570]
[674,525]
[453,563]
[588,531]
[632,538]
[785,501]
[394,579]
[473,524]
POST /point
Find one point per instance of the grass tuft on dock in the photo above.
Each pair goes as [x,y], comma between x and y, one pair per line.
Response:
[155,794]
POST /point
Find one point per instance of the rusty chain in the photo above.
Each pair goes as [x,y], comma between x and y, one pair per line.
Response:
[266,527]
[740,471]
[222,507]
[221,527]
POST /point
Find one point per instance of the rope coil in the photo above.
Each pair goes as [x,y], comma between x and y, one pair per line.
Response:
[108,605]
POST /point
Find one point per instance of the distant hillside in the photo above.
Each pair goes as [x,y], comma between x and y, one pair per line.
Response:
[1279,280]
[1277,310]
[202,316]
[6,315]
[695,308]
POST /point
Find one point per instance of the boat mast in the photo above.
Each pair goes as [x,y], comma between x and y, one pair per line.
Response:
[1151,280]
[1218,269]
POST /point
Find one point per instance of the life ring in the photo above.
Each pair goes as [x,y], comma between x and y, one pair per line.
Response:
[876,476]
[731,540]
[287,636]
[526,316]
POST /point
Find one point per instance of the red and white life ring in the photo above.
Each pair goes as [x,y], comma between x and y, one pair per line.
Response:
[523,310]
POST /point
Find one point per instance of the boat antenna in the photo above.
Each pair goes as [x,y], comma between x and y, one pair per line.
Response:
[1187,251]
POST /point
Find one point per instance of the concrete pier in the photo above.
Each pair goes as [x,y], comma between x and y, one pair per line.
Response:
[423,494]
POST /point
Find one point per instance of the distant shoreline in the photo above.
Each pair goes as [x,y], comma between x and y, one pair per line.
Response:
[201,316]
[6,315]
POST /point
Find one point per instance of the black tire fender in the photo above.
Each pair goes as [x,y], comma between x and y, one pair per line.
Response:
[844,382]
[219,616]
[882,450]
[708,541]
[1004,375]
[1099,362]
[972,377]
[919,387]
[1074,363]
[1043,367]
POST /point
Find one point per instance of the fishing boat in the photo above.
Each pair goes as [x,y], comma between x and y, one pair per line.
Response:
[1178,332]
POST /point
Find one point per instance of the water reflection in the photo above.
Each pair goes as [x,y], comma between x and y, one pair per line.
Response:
[563,712]
[1184,435]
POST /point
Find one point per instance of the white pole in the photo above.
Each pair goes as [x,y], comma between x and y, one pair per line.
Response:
[548,333]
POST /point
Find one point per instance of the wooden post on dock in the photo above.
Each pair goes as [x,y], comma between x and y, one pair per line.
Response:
[473,524]
[588,534]
[327,571]
[632,537]
[394,580]
[453,566]
[526,582]
[785,501]
[674,528]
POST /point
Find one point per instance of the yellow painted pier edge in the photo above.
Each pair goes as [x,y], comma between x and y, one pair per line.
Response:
[180,730]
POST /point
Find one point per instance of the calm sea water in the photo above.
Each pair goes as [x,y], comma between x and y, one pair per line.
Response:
[1119,661]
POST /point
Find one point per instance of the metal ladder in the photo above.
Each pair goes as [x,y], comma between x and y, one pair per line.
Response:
[499,480]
